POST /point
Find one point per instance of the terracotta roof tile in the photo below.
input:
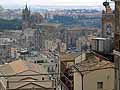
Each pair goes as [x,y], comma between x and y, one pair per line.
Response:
[19,66]
[94,63]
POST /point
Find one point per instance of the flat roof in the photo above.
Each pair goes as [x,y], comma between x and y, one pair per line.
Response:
[81,28]
[100,38]
[50,24]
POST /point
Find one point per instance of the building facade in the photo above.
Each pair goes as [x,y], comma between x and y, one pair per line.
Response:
[117,44]
[78,37]
[108,17]
[96,70]
[103,45]
[29,20]
[29,79]
[26,15]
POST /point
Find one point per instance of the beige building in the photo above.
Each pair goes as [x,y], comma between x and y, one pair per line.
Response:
[77,37]
[117,44]
[94,73]
[26,76]
[51,30]
[108,21]
[80,58]
[68,59]
[63,47]
[50,45]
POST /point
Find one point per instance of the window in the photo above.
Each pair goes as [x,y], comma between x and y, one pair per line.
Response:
[99,85]
[119,45]
[43,78]
[40,61]
[108,29]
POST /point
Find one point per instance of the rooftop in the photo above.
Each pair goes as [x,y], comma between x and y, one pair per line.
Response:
[100,38]
[81,28]
[92,63]
[19,66]
[50,24]
[30,76]
[68,57]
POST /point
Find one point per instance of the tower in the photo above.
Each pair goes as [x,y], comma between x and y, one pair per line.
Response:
[107,21]
[26,16]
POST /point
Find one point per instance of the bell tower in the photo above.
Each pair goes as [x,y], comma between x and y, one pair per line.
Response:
[107,20]
[26,15]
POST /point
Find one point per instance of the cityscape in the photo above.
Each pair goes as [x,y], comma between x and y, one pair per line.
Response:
[60,47]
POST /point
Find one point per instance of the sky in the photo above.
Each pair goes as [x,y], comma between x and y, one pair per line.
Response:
[17,3]
[53,2]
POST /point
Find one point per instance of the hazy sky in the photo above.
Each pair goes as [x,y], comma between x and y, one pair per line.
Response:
[53,2]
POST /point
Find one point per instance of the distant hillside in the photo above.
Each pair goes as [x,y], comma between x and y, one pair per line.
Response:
[10,24]
[83,20]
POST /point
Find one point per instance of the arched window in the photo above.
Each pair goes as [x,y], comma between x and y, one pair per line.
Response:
[43,78]
[108,29]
